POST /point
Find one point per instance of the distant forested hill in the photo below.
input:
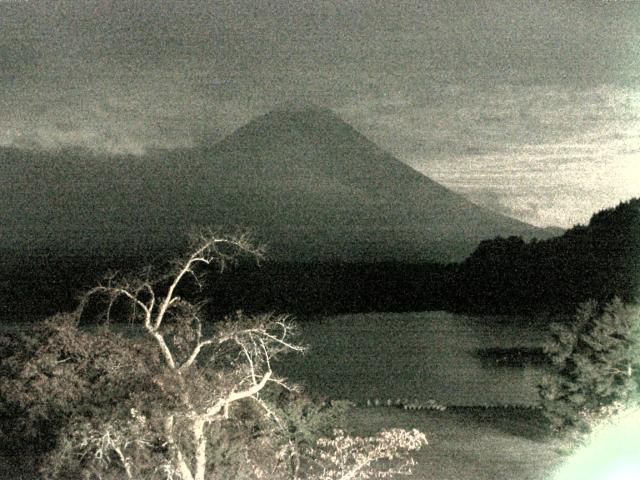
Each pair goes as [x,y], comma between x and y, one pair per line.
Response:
[598,261]
[503,275]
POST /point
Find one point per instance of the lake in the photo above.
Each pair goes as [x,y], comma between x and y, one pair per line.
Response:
[427,355]
[422,355]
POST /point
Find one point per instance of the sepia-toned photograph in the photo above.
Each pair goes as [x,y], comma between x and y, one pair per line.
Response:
[323,240]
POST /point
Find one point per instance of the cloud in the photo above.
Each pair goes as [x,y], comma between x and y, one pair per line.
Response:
[536,209]
[113,117]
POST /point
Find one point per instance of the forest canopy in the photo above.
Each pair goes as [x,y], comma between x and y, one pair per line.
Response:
[599,261]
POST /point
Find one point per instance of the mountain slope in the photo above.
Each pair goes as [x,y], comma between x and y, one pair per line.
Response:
[302,180]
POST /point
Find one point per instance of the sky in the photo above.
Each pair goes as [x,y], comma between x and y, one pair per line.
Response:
[529,108]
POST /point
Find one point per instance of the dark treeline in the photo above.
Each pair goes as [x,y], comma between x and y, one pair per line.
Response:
[47,282]
[597,261]
[503,275]
[43,288]
[328,288]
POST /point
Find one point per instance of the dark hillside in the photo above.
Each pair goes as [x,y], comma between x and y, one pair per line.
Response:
[503,275]
[598,261]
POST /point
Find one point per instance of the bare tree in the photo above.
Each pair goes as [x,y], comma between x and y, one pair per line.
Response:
[180,398]
[183,347]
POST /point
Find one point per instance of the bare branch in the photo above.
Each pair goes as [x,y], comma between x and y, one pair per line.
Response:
[279,341]
[114,292]
[252,369]
[282,383]
[194,354]
[168,356]
[266,354]
[235,396]
[207,252]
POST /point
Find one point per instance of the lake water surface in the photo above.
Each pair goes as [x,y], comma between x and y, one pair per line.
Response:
[416,356]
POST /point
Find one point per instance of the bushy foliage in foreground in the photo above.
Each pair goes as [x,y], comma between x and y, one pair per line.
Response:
[55,371]
[596,363]
[177,398]
[343,457]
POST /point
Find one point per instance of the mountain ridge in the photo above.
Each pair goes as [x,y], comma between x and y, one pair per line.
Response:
[306,182]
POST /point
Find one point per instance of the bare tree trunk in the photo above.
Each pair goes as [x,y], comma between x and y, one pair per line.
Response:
[183,468]
[125,462]
[200,444]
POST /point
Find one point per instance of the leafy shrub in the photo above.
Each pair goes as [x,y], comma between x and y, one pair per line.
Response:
[344,457]
[595,363]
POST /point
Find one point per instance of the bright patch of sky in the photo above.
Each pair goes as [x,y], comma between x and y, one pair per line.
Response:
[550,155]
